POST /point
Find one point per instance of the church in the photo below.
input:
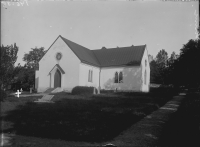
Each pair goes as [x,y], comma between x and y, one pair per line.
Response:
[67,64]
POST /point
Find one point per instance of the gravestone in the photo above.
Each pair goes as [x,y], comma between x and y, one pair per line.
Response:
[31,90]
[18,93]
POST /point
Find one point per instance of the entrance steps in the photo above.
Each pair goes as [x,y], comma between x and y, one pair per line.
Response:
[49,90]
[53,90]
[58,89]
[46,99]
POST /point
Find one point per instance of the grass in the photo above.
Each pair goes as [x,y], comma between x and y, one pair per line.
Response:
[87,118]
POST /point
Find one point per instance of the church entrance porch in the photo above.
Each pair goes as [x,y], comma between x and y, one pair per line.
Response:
[57,79]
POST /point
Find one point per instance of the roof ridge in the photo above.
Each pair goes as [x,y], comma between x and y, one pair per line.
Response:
[129,55]
[50,47]
[86,50]
[74,42]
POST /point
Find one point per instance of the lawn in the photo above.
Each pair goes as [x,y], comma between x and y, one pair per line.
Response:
[86,118]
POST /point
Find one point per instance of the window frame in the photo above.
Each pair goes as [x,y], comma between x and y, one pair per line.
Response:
[145,77]
[116,78]
[120,77]
[90,76]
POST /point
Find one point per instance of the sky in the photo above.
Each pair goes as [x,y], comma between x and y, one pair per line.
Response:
[94,24]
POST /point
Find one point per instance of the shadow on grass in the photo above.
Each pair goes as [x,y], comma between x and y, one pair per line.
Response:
[98,119]
[71,120]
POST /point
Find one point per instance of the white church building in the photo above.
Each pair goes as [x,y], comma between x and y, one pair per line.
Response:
[67,64]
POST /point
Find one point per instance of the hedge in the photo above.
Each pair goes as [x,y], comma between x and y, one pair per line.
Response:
[83,90]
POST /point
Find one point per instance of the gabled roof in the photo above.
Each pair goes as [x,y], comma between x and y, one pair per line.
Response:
[84,54]
[120,56]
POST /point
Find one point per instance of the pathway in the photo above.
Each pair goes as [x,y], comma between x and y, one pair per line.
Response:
[147,131]
[45,99]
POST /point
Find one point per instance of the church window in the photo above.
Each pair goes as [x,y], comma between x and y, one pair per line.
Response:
[90,74]
[120,77]
[145,77]
[145,63]
[116,77]
[58,56]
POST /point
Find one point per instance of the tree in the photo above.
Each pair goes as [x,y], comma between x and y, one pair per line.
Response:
[8,59]
[155,76]
[27,74]
[24,78]
[161,58]
[171,64]
[185,67]
[33,57]
[188,64]
[161,62]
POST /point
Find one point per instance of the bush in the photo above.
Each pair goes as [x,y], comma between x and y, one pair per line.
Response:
[163,89]
[83,90]
[3,95]
[107,91]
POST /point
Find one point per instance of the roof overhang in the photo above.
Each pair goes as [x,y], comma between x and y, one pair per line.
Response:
[59,68]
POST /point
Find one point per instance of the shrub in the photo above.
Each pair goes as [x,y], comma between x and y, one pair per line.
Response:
[166,90]
[83,90]
[107,91]
[3,95]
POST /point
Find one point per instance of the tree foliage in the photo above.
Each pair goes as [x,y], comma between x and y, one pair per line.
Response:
[161,62]
[155,76]
[8,59]
[179,70]
[25,75]
[33,57]
[161,58]
[187,65]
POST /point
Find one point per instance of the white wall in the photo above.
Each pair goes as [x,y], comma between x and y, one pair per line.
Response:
[145,87]
[83,76]
[69,63]
[36,79]
[76,73]
[132,78]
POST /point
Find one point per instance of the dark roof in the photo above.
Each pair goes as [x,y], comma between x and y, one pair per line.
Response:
[84,54]
[120,56]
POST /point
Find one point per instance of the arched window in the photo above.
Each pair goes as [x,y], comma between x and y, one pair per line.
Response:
[120,77]
[145,77]
[116,77]
[90,74]
[145,63]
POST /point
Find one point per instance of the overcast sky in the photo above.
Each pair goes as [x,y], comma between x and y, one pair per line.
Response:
[159,25]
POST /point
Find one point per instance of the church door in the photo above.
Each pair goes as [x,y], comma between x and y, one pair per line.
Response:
[57,79]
